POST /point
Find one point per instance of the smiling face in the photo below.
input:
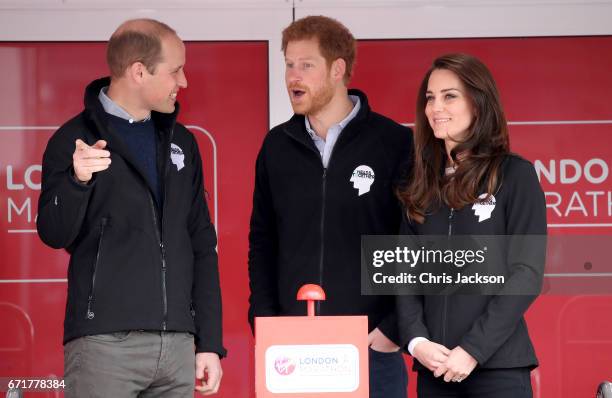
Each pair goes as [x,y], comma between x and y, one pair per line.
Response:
[161,87]
[307,77]
[448,108]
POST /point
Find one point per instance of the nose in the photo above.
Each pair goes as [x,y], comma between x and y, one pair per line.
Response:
[437,105]
[182,79]
[292,75]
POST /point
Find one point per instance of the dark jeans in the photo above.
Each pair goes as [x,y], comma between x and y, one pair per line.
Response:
[481,383]
[129,365]
[388,376]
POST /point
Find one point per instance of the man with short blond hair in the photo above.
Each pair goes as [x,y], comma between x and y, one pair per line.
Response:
[122,192]
[323,179]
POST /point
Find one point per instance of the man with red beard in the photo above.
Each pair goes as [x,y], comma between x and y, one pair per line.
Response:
[323,179]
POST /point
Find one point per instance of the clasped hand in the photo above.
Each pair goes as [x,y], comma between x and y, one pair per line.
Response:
[454,365]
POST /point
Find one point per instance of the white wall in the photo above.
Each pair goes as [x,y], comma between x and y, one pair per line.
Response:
[83,20]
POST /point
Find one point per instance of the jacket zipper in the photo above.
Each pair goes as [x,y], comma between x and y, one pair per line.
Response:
[90,313]
[161,229]
[322,221]
[322,233]
[450,232]
[160,232]
[162,251]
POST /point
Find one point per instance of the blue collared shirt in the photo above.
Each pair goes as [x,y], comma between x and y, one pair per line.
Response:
[114,109]
[326,146]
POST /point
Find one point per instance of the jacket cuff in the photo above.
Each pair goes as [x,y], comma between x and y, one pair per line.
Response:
[80,185]
[413,343]
[473,351]
[219,350]
[388,327]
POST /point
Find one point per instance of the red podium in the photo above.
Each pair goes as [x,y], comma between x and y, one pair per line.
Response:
[311,356]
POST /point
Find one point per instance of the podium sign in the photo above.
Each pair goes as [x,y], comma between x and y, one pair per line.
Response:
[308,357]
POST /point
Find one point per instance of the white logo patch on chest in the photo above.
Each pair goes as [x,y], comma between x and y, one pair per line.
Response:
[177,157]
[484,207]
[362,179]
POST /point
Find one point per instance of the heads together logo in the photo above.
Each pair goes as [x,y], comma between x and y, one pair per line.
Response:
[177,156]
[284,366]
[362,179]
[484,206]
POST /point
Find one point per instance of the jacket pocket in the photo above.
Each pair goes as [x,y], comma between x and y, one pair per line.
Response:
[90,313]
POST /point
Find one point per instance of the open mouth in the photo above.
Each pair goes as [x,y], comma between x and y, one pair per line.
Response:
[297,93]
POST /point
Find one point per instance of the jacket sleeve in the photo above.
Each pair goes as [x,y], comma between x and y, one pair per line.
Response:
[389,325]
[525,217]
[410,318]
[263,247]
[62,204]
[206,291]
[401,173]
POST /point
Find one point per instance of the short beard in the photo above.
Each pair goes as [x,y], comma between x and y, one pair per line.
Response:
[321,99]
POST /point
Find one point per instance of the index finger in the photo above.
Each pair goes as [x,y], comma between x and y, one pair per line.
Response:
[440,371]
[80,144]
[449,376]
[206,388]
[92,153]
[214,379]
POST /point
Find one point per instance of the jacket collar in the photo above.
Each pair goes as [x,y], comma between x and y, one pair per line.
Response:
[95,110]
[96,115]
[296,126]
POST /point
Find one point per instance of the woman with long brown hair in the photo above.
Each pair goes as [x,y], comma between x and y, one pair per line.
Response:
[465,181]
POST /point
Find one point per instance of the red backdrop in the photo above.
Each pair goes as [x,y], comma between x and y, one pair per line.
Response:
[543,81]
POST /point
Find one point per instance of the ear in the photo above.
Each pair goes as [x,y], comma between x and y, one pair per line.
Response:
[338,69]
[136,72]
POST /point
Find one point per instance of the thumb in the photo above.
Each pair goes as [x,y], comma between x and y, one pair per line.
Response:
[100,144]
[444,349]
[199,371]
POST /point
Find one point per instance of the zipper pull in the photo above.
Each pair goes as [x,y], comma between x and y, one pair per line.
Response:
[90,313]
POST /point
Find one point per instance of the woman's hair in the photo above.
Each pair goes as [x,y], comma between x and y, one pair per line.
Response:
[477,156]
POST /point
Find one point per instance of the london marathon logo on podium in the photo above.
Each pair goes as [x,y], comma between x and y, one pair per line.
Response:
[312,368]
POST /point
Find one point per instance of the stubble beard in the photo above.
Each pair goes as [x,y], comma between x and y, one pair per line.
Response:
[319,100]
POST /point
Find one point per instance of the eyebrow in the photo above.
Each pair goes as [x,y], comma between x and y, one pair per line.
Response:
[302,59]
[445,90]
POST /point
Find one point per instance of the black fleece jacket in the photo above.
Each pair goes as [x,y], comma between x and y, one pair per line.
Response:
[491,328]
[133,265]
[307,221]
